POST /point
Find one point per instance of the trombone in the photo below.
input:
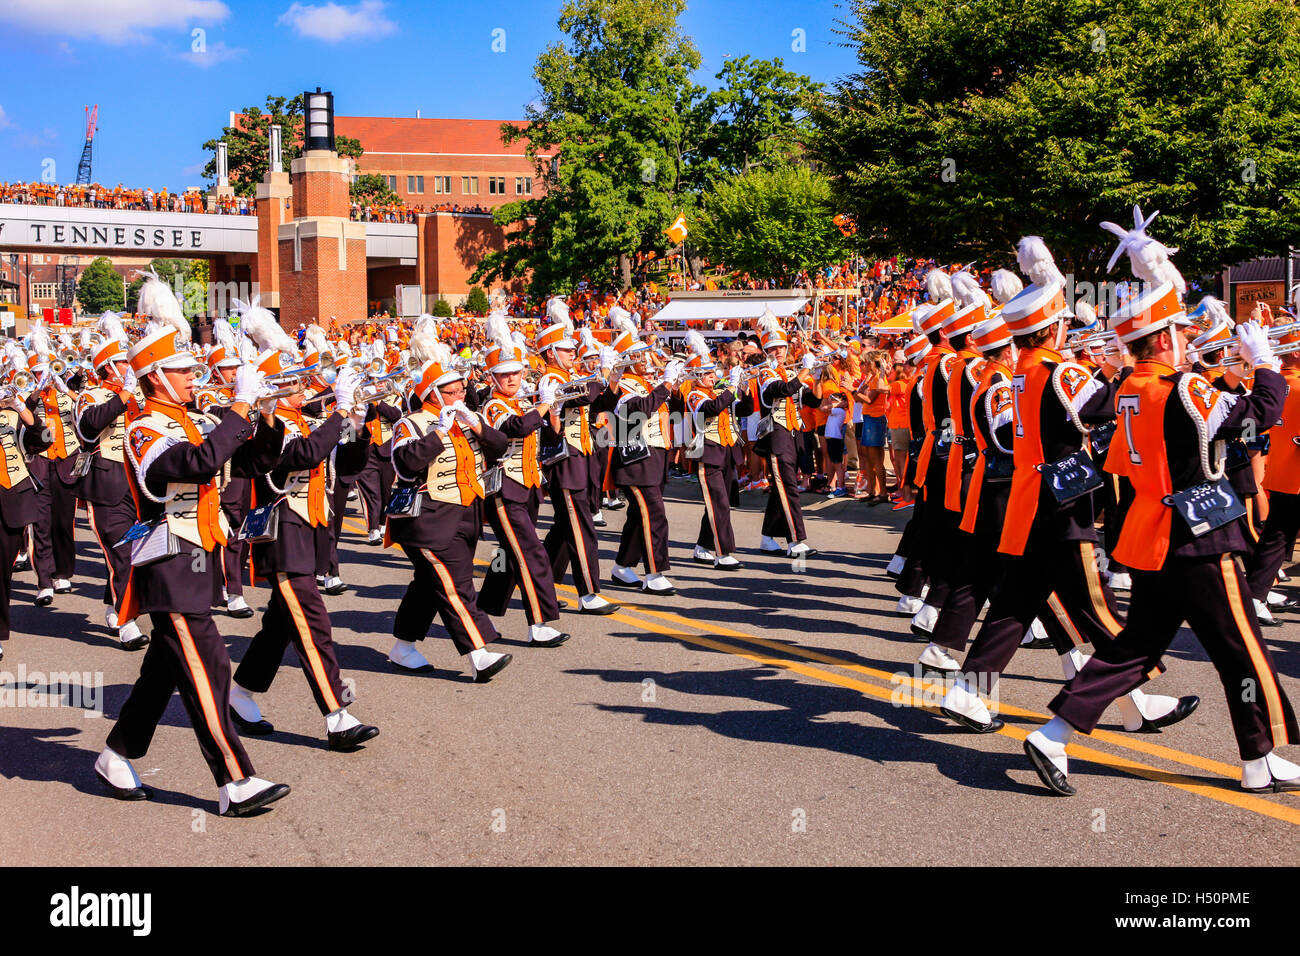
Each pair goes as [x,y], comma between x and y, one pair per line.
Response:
[20,386]
[1222,345]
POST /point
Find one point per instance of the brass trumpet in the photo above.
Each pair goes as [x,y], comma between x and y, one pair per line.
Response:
[576,387]
[20,386]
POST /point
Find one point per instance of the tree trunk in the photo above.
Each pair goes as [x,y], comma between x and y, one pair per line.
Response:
[625,271]
[696,265]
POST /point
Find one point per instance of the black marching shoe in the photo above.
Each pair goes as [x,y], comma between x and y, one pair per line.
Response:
[251,728]
[135,643]
[244,807]
[496,667]
[555,641]
[125,793]
[1182,710]
[1275,786]
[1052,777]
[994,725]
[346,741]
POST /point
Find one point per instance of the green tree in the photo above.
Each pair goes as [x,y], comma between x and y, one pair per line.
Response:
[100,288]
[442,309]
[248,143]
[770,223]
[477,301]
[973,123]
[373,188]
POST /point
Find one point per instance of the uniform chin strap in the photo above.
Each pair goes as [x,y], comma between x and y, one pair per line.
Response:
[166,384]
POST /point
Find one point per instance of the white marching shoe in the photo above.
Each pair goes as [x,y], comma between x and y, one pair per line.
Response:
[375,537]
[485,664]
[62,586]
[936,661]
[130,638]
[800,550]
[728,562]
[246,714]
[658,584]
[704,555]
[543,635]
[238,607]
[1270,774]
[598,519]
[117,774]
[625,577]
[924,620]
[1121,581]
[1045,748]
[895,566]
[408,657]
[1266,618]
[595,604]
[1144,713]
[769,544]
[908,606]
[244,796]
[110,617]
[45,597]
[960,704]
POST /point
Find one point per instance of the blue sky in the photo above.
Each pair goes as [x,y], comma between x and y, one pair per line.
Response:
[159,100]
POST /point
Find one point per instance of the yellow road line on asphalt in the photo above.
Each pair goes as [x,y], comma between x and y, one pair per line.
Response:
[1245,801]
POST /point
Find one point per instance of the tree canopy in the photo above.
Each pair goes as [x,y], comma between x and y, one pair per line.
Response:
[100,288]
[971,124]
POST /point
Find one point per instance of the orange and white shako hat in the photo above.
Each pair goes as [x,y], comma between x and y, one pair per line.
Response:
[625,341]
[990,335]
[559,333]
[770,333]
[1218,330]
[973,305]
[942,305]
[916,349]
[158,350]
[1036,307]
[270,362]
[1149,312]
[113,347]
[109,351]
[167,333]
[504,355]
[589,347]
[700,360]
[434,356]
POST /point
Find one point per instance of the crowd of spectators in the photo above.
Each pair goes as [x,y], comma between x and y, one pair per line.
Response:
[96,196]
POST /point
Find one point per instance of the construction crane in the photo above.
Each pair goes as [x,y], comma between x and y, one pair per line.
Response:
[83,169]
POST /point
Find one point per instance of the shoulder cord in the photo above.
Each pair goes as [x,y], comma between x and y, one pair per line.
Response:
[1203,441]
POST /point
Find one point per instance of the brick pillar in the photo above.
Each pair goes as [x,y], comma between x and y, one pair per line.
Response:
[271,213]
[322,267]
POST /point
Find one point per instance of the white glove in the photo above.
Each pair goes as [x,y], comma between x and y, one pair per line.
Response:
[466,418]
[250,384]
[809,360]
[447,418]
[1253,344]
[16,402]
[358,419]
[546,392]
[58,382]
[607,359]
[737,372]
[345,389]
[129,381]
[674,371]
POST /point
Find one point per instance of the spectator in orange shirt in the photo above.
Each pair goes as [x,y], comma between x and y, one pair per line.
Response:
[898,418]
[874,392]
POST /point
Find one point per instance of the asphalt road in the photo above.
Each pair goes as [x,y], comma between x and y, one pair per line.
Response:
[753,718]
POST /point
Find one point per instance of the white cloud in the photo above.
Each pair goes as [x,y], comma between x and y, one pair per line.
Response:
[333,22]
[118,22]
[5,122]
[217,53]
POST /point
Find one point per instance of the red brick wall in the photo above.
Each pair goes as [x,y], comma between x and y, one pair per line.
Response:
[319,194]
[451,247]
[430,165]
[319,289]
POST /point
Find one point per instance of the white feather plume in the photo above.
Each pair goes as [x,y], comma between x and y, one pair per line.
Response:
[519,340]
[260,326]
[110,326]
[224,336]
[425,342]
[497,330]
[15,356]
[425,321]
[1148,258]
[1005,285]
[622,321]
[587,340]
[695,343]
[40,340]
[939,285]
[1216,312]
[768,322]
[158,302]
[966,290]
[1036,262]
[1085,313]
[557,310]
[315,340]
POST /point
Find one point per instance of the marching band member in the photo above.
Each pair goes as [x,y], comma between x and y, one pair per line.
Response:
[512,511]
[177,460]
[572,538]
[103,412]
[602,438]
[1049,540]
[20,440]
[640,465]
[294,496]
[441,453]
[717,440]
[53,551]
[375,483]
[224,361]
[905,565]
[781,398]
[1182,569]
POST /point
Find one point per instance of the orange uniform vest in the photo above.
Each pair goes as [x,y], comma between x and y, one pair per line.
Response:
[1283,470]
[993,391]
[934,377]
[967,363]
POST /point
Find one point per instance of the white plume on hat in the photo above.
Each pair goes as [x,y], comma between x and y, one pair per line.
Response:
[425,341]
[15,356]
[1036,261]
[695,343]
[224,336]
[260,326]
[497,330]
[586,339]
[768,322]
[40,340]
[315,340]
[519,341]
[622,321]
[1148,258]
[1085,313]
[110,326]
[557,311]
[1005,285]
[159,303]
[939,285]
[966,290]
[1216,312]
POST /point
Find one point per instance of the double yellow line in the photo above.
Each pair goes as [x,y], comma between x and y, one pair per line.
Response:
[668,624]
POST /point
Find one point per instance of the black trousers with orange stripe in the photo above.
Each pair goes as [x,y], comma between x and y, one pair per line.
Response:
[12,541]
[1211,594]
[444,586]
[187,654]
[783,518]
[1275,542]
[54,553]
[1060,581]
[109,523]
[572,539]
[295,613]
[715,526]
[527,564]
[645,530]
[375,487]
[234,555]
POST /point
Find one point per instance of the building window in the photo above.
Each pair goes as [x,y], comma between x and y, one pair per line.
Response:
[44,290]
[415,184]
[392,182]
[523,185]
[442,184]
[469,185]
[497,185]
